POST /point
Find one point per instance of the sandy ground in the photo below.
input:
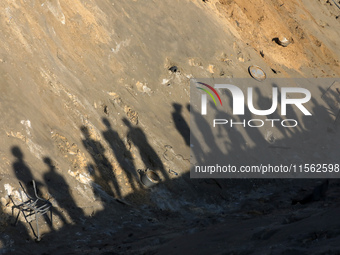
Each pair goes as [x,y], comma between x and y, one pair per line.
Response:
[88,99]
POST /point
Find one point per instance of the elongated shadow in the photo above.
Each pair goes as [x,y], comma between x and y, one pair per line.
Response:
[147,153]
[103,170]
[180,123]
[20,168]
[25,177]
[199,153]
[60,190]
[122,154]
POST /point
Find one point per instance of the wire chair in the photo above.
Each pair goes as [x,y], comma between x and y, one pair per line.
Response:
[30,206]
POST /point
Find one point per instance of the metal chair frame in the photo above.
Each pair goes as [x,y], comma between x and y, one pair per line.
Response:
[32,206]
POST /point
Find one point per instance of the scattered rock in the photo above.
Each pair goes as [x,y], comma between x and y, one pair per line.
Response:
[261,53]
[194,62]
[131,114]
[211,69]
[143,88]
[173,69]
[283,41]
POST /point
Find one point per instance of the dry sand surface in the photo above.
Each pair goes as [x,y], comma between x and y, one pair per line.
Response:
[88,98]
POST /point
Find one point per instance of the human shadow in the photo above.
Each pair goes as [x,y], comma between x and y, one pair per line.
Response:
[103,169]
[199,153]
[291,111]
[205,130]
[25,177]
[205,150]
[265,103]
[180,123]
[20,168]
[332,99]
[147,153]
[122,154]
[60,191]
[234,142]
[239,197]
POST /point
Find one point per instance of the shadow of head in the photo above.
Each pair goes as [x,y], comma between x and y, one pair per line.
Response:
[85,131]
[17,152]
[177,107]
[106,123]
[126,122]
[49,162]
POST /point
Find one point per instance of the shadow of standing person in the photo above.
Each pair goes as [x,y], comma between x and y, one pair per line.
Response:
[196,154]
[21,170]
[103,172]
[147,153]
[24,175]
[60,191]
[123,155]
[180,123]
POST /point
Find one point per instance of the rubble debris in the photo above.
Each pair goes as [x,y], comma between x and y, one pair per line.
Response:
[149,178]
[173,69]
[283,41]
[257,73]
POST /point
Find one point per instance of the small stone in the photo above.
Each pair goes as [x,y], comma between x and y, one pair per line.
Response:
[143,88]
[211,69]
[173,69]
[3,201]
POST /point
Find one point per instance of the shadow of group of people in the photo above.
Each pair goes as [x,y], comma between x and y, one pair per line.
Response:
[53,180]
[250,146]
[102,170]
[105,173]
